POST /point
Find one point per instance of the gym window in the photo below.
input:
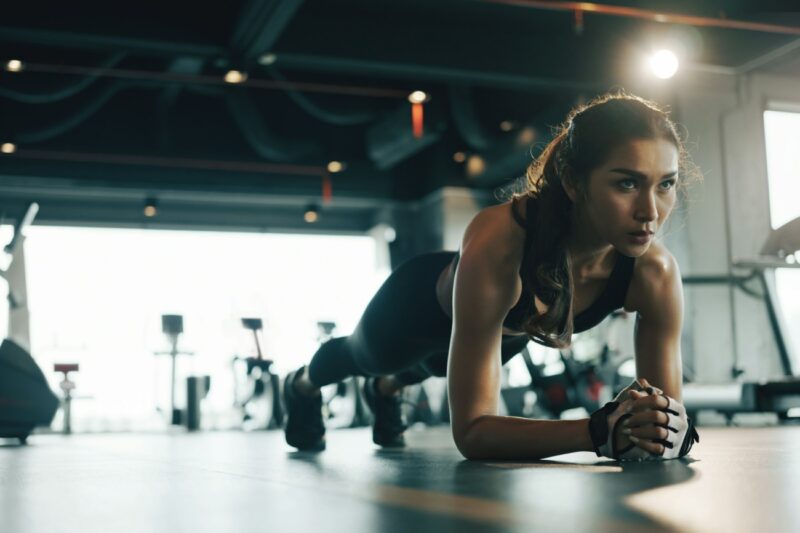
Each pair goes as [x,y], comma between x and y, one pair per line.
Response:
[783,172]
[96,297]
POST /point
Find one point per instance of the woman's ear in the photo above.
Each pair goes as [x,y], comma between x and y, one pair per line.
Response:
[569,188]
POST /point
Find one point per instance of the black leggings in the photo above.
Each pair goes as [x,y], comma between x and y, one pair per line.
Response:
[403,331]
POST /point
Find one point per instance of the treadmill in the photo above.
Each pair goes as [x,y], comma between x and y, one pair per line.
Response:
[778,396]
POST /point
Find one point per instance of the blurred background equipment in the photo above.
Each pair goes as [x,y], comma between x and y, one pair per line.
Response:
[172,327]
[26,400]
[67,386]
[257,386]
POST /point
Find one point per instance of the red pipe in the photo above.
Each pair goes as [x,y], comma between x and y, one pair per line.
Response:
[646,14]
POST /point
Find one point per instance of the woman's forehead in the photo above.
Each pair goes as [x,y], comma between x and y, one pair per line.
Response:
[645,155]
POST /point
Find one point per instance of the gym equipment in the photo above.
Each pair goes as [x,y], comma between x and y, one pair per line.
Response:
[261,408]
[197,388]
[777,396]
[172,327]
[26,400]
[67,386]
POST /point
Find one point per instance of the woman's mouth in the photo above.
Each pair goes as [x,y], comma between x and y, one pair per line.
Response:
[640,237]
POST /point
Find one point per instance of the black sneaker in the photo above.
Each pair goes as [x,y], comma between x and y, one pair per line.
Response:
[304,429]
[389,425]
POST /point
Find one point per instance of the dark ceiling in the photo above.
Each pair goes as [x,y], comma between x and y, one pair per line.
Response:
[128,96]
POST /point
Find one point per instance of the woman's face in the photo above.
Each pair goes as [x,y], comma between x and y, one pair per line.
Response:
[633,191]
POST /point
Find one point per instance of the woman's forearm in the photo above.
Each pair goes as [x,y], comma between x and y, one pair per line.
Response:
[510,437]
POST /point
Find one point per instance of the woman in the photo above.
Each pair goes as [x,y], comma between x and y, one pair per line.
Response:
[556,259]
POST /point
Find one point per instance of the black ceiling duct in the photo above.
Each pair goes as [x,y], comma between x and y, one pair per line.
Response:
[392,140]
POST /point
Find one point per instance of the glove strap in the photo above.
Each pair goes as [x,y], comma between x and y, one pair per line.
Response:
[691,437]
[598,426]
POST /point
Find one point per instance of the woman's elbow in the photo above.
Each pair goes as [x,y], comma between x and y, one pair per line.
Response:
[467,440]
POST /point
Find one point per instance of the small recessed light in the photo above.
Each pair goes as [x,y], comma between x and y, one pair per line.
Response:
[418,97]
[14,65]
[150,208]
[8,148]
[459,157]
[267,59]
[475,165]
[335,166]
[235,76]
[312,214]
[506,125]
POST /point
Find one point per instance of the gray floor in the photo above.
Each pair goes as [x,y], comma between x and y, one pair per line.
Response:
[740,479]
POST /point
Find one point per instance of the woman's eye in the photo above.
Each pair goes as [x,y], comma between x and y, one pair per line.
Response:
[623,183]
[670,183]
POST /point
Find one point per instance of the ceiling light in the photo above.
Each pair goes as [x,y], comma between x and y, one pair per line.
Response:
[14,65]
[475,165]
[312,214]
[235,76]
[459,157]
[335,166]
[418,97]
[150,208]
[664,64]
[8,148]
[267,59]
[506,125]
[526,135]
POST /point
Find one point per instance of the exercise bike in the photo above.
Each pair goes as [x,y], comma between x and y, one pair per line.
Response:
[256,386]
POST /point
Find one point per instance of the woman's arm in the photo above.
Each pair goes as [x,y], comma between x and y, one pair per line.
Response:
[659,321]
[486,287]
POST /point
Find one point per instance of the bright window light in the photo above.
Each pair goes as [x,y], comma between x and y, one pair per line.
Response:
[101,307]
[783,174]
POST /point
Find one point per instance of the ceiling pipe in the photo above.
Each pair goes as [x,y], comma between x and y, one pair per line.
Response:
[647,14]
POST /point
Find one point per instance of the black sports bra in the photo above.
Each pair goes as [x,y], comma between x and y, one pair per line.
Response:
[611,299]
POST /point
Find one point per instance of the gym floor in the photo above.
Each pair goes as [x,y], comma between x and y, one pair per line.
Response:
[738,479]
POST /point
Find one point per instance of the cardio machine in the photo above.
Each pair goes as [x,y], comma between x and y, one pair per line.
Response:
[258,394]
[26,400]
[777,395]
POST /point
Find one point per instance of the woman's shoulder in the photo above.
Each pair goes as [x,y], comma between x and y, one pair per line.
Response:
[494,230]
[655,268]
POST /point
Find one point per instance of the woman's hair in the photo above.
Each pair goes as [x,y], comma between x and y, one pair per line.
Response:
[582,143]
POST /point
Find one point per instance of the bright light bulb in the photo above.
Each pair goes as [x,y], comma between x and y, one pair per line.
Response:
[150,211]
[418,97]
[311,216]
[15,65]
[8,148]
[335,166]
[235,76]
[664,64]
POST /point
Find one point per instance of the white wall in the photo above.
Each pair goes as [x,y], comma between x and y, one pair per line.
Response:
[729,220]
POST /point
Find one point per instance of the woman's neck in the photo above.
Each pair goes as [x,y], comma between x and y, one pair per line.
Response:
[591,256]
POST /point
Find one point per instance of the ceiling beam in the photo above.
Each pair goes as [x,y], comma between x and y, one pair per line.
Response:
[427,73]
[112,43]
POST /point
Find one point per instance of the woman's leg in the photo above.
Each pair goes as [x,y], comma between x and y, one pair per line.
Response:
[402,325]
